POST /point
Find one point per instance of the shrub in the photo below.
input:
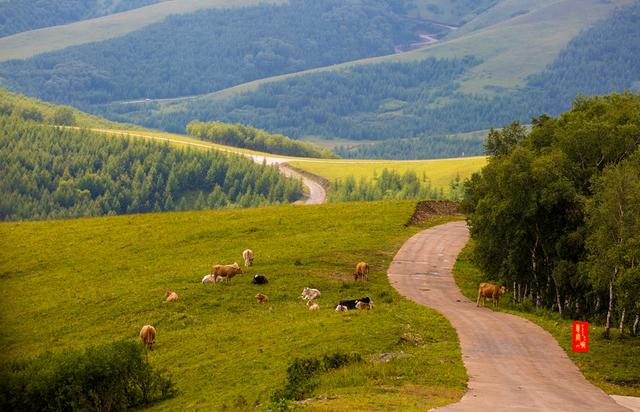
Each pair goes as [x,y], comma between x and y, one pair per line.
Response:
[301,374]
[109,377]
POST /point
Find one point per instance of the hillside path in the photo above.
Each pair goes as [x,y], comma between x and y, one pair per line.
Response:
[316,193]
[513,365]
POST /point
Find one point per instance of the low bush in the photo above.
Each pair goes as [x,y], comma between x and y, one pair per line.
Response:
[302,372]
[110,377]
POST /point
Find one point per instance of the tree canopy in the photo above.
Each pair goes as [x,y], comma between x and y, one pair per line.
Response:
[555,212]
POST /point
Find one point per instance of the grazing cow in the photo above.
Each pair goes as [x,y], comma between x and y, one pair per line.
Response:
[363,305]
[148,336]
[262,298]
[489,290]
[226,271]
[259,280]
[362,271]
[313,306]
[341,308]
[351,303]
[247,255]
[171,296]
[310,294]
[209,279]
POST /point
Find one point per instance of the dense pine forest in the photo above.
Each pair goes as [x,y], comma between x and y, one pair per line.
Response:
[213,49]
[22,15]
[409,100]
[555,214]
[237,135]
[54,172]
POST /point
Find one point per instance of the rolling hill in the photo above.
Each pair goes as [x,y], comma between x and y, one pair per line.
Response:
[222,349]
[26,15]
[527,58]
[33,42]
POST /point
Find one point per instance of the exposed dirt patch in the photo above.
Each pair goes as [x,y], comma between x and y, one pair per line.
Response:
[430,209]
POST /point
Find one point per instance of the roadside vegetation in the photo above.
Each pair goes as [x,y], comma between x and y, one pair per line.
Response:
[556,214]
[98,280]
[237,135]
[612,364]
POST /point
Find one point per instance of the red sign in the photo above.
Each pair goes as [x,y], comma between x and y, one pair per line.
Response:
[580,333]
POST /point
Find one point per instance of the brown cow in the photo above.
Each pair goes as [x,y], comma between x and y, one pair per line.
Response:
[260,298]
[489,290]
[148,336]
[362,271]
[171,296]
[226,271]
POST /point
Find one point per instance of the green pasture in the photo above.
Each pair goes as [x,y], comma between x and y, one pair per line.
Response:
[440,171]
[34,42]
[611,364]
[75,283]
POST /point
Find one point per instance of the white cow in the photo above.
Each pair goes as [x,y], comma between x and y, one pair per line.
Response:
[247,255]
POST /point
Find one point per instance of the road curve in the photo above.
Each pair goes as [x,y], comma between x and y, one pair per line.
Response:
[513,364]
[317,195]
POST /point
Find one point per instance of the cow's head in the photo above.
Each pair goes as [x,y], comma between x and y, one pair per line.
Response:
[503,290]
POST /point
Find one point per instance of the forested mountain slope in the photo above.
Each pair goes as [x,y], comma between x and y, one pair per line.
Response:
[53,172]
[404,100]
[213,49]
[22,15]
[33,42]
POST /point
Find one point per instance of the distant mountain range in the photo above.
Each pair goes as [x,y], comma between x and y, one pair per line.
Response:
[331,69]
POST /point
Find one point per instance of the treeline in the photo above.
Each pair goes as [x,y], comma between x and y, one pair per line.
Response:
[556,212]
[391,185]
[421,99]
[213,49]
[52,172]
[248,137]
[414,148]
[22,15]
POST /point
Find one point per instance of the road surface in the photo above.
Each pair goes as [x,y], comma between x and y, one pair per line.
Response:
[513,364]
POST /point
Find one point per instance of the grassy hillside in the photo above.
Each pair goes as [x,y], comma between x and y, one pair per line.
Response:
[513,38]
[31,43]
[19,16]
[39,110]
[212,50]
[91,281]
[513,41]
[440,171]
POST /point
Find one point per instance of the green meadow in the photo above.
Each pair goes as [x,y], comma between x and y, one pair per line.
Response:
[439,171]
[76,283]
[611,364]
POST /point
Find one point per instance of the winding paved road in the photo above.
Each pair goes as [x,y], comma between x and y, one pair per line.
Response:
[513,364]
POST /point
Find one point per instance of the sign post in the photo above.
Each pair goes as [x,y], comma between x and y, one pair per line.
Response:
[580,333]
